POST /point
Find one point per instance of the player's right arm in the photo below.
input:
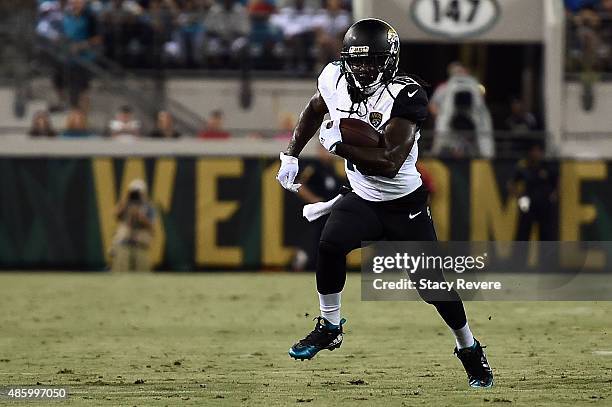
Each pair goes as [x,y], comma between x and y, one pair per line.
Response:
[309,122]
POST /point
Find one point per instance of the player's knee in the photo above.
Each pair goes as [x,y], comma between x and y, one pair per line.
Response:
[330,249]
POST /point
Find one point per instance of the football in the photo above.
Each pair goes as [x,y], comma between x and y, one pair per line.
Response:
[359,133]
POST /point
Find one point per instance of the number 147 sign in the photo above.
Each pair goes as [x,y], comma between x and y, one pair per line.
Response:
[455,18]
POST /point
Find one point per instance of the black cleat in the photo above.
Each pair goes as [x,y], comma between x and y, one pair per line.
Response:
[325,335]
[476,365]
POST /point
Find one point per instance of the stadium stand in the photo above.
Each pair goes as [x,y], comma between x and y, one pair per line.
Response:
[168,55]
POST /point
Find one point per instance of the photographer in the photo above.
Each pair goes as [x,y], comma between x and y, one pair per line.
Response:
[462,119]
[134,234]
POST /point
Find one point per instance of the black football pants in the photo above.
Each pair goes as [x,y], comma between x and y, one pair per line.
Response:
[354,220]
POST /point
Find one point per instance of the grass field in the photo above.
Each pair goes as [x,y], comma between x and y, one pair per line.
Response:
[222,339]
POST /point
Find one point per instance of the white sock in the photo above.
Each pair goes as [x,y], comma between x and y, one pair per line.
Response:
[463,337]
[330,307]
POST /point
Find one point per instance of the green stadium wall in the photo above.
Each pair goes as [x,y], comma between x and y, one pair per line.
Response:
[230,213]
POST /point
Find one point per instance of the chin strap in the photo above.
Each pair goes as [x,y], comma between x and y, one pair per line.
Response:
[352,110]
[357,98]
[362,99]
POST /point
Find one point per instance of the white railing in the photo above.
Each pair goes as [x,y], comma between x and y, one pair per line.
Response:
[19,145]
[554,23]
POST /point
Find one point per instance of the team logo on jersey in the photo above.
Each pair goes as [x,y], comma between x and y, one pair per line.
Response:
[375,119]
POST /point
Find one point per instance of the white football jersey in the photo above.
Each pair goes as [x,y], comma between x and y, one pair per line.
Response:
[403,97]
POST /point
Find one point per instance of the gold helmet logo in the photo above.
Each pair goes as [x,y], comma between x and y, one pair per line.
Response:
[392,35]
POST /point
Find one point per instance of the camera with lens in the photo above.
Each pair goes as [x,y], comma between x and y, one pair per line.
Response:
[134,197]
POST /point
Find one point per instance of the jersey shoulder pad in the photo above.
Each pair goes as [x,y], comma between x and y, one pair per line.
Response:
[404,80]
[328,79]
[410,99]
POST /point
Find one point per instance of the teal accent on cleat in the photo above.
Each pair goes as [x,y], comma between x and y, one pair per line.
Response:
[476,365]
[325,335]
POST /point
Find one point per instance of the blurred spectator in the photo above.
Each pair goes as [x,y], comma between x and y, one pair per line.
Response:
[49,29]
[80,33]
[41,125]
[331,23]
[265,39]
[585,38]
[604,8]
[297,23]
[50,21]
[124,126]
[590,37]
[131,243]
[190,31]
[575,5]
[437,99]
[214,127]
[76,125]
[227,25]
[286,126]
[164,128]
[129,33]
[462,119]
[160,17]
[193,33]
[520,120]
[535,186]
[320,182]
[111,17]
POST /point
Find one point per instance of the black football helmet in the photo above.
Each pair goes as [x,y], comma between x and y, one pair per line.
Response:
[369,56]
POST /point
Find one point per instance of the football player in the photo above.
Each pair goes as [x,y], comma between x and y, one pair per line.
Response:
[388,199]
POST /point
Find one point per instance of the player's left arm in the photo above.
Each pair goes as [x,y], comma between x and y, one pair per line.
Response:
[385,161]
[409,110]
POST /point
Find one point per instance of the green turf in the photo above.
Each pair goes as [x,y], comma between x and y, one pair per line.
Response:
[222,339]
